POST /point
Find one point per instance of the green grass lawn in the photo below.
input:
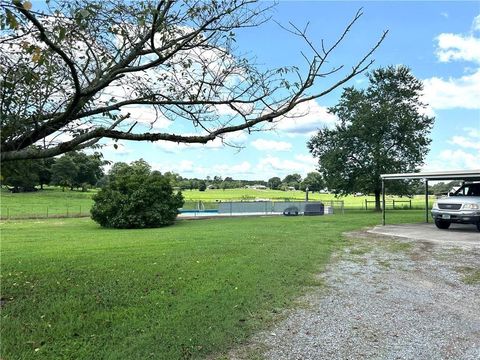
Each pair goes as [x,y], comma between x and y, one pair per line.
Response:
[54,202]
[73,290]
[43,203]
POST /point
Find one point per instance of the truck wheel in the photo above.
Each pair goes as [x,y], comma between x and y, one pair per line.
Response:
[442,224]
[478,226]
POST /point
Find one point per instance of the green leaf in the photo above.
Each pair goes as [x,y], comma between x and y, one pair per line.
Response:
[11,20]
[62,34]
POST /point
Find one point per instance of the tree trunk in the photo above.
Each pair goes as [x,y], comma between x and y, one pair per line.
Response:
[378,205]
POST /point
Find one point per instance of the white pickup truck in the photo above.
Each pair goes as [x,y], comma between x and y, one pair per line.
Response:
[463,206]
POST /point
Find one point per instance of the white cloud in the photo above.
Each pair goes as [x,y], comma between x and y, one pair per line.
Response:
[306,118]
[279,166]
[191,169]
[234,170]
[476,23]
[449,160]
[444,14]
[121,150]
[472,132]
[146,115]
[271,145]
[307,159]
[185,166]
[181,167]
[465,142]
[465,155]
[463,92]
[453,47]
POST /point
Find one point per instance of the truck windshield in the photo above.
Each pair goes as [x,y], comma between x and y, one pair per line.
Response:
[468,190]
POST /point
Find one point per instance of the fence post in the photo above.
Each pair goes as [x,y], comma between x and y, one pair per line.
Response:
[366,204]
[67,211]
[410,204]
[8,213]
[47,212]
[80,210]
[393,204]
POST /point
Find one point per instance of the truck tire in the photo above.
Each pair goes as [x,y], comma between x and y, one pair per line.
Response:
[478,226]
[442,224]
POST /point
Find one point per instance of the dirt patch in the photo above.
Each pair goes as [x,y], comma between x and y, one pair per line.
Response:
[385,299]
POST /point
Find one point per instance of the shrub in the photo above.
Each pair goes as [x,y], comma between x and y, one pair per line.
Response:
[136,197]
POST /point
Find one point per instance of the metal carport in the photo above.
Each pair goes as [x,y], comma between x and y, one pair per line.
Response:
[464,175]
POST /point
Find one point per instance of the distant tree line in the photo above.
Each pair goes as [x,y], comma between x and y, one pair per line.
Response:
[74,170]
[312,181]
[77,170]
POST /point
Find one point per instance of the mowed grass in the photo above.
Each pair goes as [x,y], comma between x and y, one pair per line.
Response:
[72,290]
[53,201]
[48,202]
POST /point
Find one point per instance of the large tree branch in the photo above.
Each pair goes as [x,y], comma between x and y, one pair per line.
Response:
[54,47]
[162,75]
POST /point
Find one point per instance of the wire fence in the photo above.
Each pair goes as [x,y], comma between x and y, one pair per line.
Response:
[12,213]
[24,211]
[391,204]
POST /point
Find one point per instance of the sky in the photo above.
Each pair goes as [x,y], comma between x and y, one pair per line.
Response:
[438,40]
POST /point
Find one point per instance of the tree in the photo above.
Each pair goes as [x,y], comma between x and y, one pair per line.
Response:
[75,72]
[274,183]
[21,175]
[64,172]
[77,170]
[173,177]
[202,185]
[136,197]
[292,180]
[381,129]
[24,175]
[313,181]
[45,171]
[88,169]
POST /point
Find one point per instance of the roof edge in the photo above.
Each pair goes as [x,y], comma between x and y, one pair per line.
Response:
[436,175]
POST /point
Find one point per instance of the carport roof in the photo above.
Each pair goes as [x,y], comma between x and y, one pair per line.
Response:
[472,175]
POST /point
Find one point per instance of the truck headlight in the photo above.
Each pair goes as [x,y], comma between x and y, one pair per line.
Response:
[435,205]
[470,206]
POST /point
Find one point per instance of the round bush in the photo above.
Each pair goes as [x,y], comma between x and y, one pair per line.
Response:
[135,197]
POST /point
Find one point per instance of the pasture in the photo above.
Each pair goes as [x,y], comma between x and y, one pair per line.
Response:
[53,202]
[71,289]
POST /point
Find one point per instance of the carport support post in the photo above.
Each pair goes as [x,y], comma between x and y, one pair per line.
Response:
[383,202]
[426,200]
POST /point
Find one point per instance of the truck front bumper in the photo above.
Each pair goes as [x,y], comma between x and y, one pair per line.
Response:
[464,217]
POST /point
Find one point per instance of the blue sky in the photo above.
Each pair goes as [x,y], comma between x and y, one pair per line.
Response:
[438,40]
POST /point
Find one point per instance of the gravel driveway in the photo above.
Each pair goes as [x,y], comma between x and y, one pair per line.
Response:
[385,298]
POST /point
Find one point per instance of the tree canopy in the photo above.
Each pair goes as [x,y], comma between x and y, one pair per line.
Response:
[313,181]
[381,129]
[74,72]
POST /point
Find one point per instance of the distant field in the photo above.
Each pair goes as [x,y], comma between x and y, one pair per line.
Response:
[53,202]
[72,290]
